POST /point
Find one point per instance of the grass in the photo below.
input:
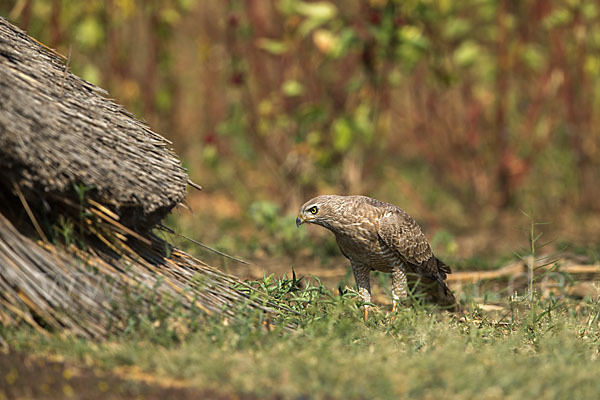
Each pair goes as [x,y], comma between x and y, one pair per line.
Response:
[547,348]
[542,345]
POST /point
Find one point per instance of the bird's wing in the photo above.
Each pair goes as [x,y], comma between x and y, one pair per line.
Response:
[401,233]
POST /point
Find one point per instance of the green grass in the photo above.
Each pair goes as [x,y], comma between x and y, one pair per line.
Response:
[536,346]
[543,348]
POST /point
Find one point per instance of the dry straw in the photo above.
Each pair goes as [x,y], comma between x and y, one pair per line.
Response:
[82,184]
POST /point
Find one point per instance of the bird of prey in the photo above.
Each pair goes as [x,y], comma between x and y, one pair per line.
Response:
[375,235]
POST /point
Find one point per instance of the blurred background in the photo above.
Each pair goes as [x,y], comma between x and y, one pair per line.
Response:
[467,114]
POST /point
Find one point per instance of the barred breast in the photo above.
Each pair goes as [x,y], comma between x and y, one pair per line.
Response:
[362,245]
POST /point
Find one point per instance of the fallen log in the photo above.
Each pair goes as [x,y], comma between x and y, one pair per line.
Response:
[521,267]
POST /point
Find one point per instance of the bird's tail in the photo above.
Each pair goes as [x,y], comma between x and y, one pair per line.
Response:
[444,297]
[435,289]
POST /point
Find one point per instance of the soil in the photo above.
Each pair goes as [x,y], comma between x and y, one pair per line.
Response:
[27,377]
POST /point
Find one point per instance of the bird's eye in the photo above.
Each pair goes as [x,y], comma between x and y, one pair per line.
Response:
[313,210]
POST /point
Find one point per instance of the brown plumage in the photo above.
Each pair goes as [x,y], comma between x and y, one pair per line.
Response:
[375,235]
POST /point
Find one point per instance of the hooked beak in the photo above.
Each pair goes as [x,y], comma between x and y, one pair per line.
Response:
[299,221]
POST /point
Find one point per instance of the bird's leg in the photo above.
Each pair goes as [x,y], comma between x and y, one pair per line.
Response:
[363,283]
[399,285]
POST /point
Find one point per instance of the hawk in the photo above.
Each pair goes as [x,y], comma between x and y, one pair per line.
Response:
[375,235]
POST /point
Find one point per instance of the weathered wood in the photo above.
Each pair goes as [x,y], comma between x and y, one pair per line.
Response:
[519,267]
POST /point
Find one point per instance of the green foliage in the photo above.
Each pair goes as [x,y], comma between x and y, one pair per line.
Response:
[66,229]
[89,33]
[444,241]
[280,230]
[493,100]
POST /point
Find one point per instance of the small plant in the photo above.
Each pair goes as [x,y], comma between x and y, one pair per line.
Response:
[535,262]
[65,229]
[65,221]
[82,191]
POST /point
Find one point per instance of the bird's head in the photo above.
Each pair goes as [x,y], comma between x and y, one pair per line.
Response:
[321,210]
